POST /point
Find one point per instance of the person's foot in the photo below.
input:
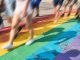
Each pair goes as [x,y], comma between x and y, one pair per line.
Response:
[78,17]
[55,20]
[8,46]
[68,14]
[62,15]
[37,15]
[29,42]
[76,13]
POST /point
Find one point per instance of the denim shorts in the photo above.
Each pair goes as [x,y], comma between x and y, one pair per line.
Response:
[35,3]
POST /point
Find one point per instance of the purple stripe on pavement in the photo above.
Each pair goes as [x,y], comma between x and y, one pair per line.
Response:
[72,52]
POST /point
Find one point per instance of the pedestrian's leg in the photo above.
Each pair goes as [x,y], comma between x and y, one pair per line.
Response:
[56,13]
[37,9]
[72,3]
[65,4]
[29,25]
[78,14]
[14,26]
[69,12]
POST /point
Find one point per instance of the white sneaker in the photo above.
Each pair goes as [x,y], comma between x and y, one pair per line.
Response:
[8,46]
[29,42]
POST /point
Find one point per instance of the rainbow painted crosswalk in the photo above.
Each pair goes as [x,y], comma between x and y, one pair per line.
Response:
[50,40]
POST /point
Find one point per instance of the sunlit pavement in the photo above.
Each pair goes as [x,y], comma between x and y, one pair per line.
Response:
[53,41]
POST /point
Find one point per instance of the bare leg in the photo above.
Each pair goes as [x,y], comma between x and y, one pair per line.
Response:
[56,12]
[78,13]
[78,10]
[37,9]
[73,2]
[14,26]
[70,9]
[63,12]
[29,25]
[65,7]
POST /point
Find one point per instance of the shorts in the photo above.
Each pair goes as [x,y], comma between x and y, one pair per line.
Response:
[58,2]
[35,3]
[1,20]
[32,4]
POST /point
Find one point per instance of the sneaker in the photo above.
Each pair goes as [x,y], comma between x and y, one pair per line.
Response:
[29,42]
[8,46]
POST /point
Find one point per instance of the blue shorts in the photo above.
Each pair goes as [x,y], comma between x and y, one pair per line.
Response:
[35,3]
[32,4]
[57,2]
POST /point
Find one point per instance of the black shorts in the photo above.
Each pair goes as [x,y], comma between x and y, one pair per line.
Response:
[58,2]
[1,20]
